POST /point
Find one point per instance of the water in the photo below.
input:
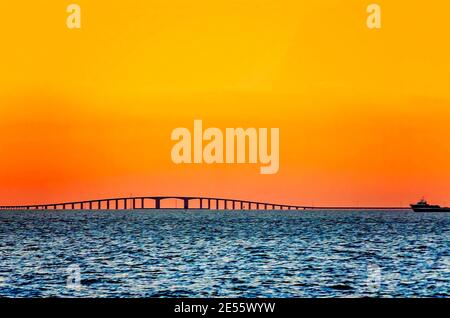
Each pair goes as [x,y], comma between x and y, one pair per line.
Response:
[224,254]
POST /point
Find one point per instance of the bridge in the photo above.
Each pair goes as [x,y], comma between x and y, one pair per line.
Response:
[186,203]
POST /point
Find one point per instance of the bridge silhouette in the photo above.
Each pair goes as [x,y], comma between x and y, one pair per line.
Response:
[188,203]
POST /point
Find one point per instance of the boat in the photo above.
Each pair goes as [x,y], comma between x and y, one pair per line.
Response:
[423,206]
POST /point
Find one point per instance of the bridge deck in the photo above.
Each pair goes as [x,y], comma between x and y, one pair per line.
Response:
[188,203]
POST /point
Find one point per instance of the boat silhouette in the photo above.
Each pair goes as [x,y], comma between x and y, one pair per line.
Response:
[423,206]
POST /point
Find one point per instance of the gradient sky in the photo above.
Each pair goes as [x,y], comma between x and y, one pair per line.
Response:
[364,115]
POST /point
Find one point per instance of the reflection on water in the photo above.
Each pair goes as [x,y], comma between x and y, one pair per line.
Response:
[224,254]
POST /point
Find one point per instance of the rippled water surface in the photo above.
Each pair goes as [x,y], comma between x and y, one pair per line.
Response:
[224,254]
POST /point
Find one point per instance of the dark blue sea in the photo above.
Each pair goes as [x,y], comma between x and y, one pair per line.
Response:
[170,253]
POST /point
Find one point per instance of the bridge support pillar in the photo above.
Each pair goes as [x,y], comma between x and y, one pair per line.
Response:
[157,203]
[186,203]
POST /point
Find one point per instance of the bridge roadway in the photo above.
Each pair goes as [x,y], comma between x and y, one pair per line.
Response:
[188,203]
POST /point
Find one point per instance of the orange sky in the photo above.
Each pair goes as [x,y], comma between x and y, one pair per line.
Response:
[364,115]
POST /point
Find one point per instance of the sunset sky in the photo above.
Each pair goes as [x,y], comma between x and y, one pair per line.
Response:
[364,115]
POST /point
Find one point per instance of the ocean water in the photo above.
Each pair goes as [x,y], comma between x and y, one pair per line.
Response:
[173,253]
